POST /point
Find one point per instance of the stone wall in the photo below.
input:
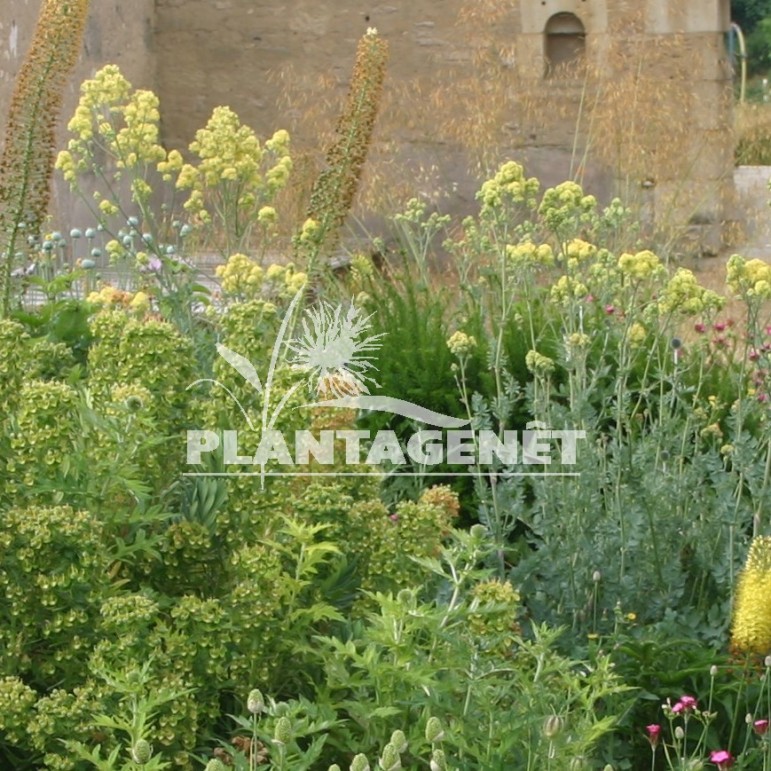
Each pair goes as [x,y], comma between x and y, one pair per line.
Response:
[457,86]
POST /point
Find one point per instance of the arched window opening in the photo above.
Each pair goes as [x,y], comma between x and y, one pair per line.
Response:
[565,43]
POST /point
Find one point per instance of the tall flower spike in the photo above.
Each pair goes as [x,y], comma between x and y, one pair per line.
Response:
[751,630]
[334,189]
[27,161]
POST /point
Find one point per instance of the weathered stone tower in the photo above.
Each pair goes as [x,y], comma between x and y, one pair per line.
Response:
[631,96]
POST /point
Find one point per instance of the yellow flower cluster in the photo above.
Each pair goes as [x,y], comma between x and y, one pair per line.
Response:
[461,344]
[566,289]
[683,294]
[122,122]
[751,629]
[641,265]
[539,364]
[636,335]
[509,185]
[566,204]
[750,278]
[230,152]
[242,278]
[112,297]
[578,340]
[527,253]
[578,251]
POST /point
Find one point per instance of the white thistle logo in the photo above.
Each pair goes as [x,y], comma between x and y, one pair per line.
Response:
[332,348]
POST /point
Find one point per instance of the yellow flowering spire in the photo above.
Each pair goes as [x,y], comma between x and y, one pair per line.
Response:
[751,632]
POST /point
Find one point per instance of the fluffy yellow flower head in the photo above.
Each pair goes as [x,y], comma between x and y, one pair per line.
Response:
[578,251]
[240,276]
[683,294]
[509,185]
[461,344]
[641,265]
[749,278]
[527,253]
[539,364]
[751,629]
[636,335]
[567,289]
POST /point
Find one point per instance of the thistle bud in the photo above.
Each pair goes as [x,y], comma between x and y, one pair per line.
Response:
[360,763]
[434,730]
[399,740]
[255,703]
[141,752]
[282,732]
[438,761]
[390,760]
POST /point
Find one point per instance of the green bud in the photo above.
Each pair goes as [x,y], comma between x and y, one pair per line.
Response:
[360,763]
[552,726]
[215,765]
[390,760]
[282,733]
[255,703]
[478,532]
[334,767]
[141,752]
[399,740]
[434,730]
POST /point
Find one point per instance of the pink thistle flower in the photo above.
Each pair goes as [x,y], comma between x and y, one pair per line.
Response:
[753,355]
[610,309]
[654,732]
[719,326]
[760,726]
[723,759]
[699,327]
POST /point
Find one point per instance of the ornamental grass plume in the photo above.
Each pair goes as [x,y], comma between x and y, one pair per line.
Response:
[334,189]
[751,631]
[27,161]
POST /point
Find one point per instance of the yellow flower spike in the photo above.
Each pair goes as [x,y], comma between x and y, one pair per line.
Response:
[751,629]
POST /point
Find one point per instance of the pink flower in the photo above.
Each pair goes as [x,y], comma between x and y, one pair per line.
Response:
[393,517]
[610,309]
[718,326]
[654,731]
[699,327]
[723,759]
[686,704]
[760,726]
